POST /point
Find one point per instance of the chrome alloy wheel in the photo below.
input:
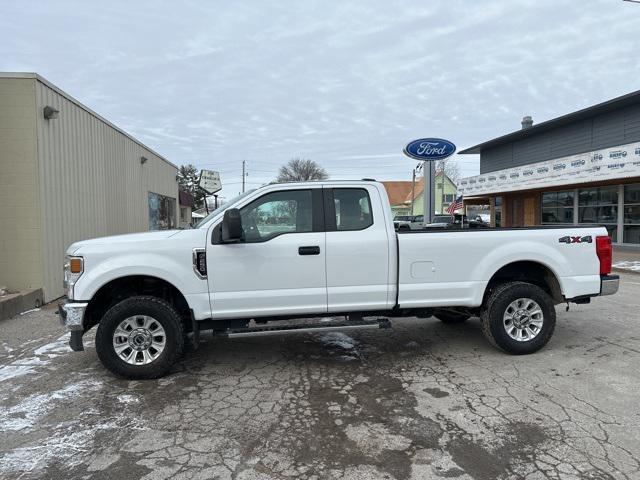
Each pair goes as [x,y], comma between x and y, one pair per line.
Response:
[523,319]
[139,340]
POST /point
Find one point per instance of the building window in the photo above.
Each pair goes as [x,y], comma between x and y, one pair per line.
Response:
[162,212]
[498,212]
[448,198]
[600,206]
[557,207]
[632,213]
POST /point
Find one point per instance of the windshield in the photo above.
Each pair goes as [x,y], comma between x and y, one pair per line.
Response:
[441,219]
[402,218]
[223,207]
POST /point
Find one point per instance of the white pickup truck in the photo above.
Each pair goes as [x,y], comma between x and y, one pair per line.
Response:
[321,249]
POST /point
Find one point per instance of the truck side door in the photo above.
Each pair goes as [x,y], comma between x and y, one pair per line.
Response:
[279,268]
[357,249]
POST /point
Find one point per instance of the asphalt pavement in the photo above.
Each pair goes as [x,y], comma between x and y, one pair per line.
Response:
[422,400]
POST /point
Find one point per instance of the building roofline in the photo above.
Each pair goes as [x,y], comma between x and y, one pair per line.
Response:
[598,109]
[41,79]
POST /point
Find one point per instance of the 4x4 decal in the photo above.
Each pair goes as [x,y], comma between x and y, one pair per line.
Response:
[578,239]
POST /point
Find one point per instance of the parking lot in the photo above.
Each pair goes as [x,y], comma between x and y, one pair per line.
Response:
[423,400]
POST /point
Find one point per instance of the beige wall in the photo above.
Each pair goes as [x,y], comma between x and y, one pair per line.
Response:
[20,227]
[92,183]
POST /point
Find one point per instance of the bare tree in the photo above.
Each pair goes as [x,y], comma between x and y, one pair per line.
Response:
[451,169]
[301,170]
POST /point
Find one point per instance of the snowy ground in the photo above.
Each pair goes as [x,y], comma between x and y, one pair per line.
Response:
[423,400]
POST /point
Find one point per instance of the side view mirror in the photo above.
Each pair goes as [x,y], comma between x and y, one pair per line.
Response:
[232,226]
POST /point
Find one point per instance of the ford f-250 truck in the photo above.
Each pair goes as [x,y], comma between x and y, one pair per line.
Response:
[321,249]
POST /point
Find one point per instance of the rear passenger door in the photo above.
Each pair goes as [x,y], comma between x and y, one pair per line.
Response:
[357,249]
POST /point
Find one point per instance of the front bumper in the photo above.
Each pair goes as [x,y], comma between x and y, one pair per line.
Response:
[609,284]
[72,317]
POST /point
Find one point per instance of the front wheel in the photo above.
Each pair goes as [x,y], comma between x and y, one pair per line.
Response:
[140,338]
[519,318]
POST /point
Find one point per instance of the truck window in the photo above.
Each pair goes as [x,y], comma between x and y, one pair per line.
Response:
[288,211]
[353,209]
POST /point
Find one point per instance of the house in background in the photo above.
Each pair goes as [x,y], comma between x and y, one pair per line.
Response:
[443,198]
[399,193]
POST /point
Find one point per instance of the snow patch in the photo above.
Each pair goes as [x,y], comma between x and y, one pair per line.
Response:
[56,348]
[9,372]
[124,398]
[29,311]
[42,357]
[338,339]
[27,413]
[633,265]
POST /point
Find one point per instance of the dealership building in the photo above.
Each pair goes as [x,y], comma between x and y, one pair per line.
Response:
[580,168]
[68,174]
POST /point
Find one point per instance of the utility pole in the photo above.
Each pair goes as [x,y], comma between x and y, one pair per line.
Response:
[413,189]
[243,174]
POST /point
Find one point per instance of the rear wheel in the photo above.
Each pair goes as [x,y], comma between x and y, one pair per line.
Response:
[140,337]
[519,318]
[451,316]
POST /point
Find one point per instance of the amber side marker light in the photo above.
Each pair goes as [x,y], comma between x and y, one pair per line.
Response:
[75,265]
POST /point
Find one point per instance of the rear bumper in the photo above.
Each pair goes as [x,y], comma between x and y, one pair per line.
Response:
[609,284]
[72,317]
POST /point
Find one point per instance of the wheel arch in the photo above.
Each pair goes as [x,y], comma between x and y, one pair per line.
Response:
[530,271]
[121,288]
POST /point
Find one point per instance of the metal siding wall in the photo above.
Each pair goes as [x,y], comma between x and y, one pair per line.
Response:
[496,158]
[608,130]
[20,234]
[91,181]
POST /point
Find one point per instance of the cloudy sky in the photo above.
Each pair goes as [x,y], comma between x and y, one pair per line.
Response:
[344,83]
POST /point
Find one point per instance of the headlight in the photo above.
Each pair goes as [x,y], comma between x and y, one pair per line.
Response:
[73,269]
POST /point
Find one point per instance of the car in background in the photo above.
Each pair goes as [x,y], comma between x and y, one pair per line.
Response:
[457,221]
[408,222]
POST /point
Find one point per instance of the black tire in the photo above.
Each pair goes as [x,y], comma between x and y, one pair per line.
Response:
[450,316]
[499,300]
[164,314]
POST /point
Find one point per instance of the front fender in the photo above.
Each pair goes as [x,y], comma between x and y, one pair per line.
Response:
[112,268]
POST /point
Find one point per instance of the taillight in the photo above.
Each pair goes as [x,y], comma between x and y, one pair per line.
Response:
[605,254]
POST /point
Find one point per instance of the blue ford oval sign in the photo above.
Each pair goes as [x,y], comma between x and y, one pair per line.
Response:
[429,149]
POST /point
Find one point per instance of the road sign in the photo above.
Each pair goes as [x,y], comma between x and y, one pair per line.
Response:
[210,181]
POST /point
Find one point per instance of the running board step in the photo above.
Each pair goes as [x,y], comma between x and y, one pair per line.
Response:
[308,328]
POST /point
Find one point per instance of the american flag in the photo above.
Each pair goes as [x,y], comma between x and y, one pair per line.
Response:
[455,205]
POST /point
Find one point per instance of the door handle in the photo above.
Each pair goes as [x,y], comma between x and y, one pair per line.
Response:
[308,250]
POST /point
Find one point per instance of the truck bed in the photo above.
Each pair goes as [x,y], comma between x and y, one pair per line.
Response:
[452,267]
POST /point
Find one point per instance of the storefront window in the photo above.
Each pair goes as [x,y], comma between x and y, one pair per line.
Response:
[557,207]
[632,213]
[498,211]
[162,212]
[600,206]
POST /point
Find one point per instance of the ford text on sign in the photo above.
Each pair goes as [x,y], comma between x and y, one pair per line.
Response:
[427,149]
